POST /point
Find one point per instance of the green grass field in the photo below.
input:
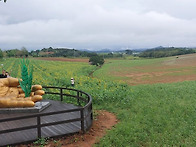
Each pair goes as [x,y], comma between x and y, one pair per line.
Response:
[149,114]
[150,71]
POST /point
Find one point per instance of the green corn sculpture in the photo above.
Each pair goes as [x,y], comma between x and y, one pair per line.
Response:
[26,82]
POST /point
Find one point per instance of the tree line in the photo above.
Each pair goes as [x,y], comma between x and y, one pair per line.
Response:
[166,52]
[23,52]
[45,52]
[94,58]
[64,52]
[59,52]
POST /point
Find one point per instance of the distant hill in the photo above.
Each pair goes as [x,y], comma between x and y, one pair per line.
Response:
[59,52]
[159,52]
[156,52]
[65,52]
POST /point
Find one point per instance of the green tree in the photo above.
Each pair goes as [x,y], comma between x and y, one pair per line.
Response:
[129,52]
[96,60]
[35,53]
[13,52]
[1,54]
[24,52]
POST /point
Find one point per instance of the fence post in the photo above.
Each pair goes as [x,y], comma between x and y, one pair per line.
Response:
[78,95]
[61,93]
[38,127]
[82,120]
[91,107]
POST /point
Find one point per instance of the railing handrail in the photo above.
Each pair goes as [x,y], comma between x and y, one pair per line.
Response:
[65,88]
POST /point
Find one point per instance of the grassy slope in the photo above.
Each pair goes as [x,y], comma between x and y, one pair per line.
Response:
[146,71]
[155,115]
[112,67]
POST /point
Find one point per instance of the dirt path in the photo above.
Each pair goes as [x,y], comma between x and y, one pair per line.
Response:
[103,122]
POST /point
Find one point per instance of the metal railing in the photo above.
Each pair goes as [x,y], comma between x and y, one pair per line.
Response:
[85,111]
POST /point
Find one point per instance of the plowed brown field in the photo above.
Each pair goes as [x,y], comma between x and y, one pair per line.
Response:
[64,59]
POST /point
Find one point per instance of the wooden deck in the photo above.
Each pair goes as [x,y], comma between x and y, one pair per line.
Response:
[50,130]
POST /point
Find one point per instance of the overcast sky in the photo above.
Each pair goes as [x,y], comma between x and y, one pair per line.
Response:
[97,24]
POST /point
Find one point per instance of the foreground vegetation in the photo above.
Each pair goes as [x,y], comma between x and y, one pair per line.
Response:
[155,115]
[150,115]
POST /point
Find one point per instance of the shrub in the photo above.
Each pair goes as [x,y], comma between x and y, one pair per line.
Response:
[96,60]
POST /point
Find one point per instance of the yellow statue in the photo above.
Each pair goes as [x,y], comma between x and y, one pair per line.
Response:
[12,96]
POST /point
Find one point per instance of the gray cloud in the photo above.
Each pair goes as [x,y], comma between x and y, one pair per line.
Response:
[97,24]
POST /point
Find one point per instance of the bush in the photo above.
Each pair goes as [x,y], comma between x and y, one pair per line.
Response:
[96,60]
